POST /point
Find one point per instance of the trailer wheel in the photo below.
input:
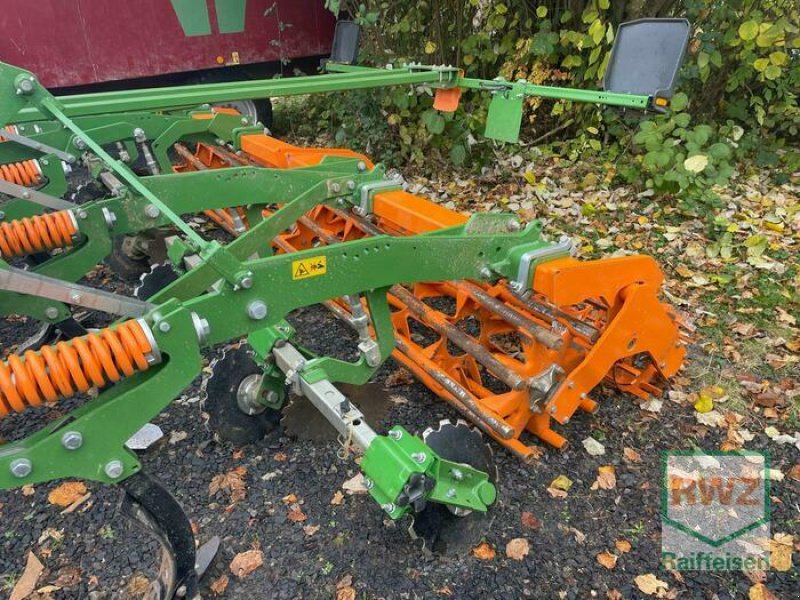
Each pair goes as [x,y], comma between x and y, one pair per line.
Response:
[255,110]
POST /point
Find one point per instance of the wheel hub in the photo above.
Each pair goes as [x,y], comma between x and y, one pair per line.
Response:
[248,395]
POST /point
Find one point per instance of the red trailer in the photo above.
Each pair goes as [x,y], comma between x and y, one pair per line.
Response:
[92,45]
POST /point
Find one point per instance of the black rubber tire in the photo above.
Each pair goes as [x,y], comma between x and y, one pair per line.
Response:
[262,107]
[225,417]
[264,110]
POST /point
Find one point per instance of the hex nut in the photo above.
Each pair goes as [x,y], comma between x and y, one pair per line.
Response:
[21,467]
[72,440]
[114,469]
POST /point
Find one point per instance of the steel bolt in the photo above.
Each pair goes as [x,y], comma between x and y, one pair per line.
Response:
[361,166]
[164,327]
[395,434]
[247,281]
[335,187]
[114,469]
[368,483]
[79,143]
[110,218]
[351,185]
[257,310]
[138,134]
[21,467]
[389,508]
[75,297]
[272,397]
[245,121]
[419,457]
[25,86]
[486,273]
[72,440]
[552,410]
[51,312]
[82,214]
[201,327]
[457,474]
[513,225]
[451,493]
[152,211]
[2,215]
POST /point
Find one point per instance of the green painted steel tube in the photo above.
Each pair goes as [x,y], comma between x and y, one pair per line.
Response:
[562,93]
[532,90]
[194,95]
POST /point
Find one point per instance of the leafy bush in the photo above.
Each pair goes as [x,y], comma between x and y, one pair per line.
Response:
[738,97]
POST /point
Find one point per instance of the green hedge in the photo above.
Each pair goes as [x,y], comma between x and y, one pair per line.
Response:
[737,102]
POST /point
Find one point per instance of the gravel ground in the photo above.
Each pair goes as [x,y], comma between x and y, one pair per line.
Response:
[101,556]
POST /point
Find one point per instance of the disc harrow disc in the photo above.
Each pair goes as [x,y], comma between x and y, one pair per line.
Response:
[446,529]
[226,418]
[155,280]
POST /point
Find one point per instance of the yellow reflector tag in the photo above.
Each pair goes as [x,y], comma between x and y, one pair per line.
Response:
[662,102]
[309,267]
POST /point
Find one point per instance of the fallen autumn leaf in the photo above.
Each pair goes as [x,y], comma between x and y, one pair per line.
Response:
[650,584]
[67,493]
[484,551]
[608,560]
[517,549]
[245,563]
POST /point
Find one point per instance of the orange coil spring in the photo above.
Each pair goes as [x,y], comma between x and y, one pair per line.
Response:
[26,172]
[68,367]
[35,234]
[11,128]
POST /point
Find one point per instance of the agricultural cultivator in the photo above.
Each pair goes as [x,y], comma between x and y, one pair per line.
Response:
[510,329]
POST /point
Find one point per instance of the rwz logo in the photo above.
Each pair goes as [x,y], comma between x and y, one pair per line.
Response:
[727,490]
[714,509]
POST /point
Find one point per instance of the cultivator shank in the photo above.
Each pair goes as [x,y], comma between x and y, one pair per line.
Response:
[511,330]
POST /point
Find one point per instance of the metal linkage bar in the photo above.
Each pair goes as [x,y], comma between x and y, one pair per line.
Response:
[33,284]
[43,148]
[26,193]
[528,90]
[560,93]
[194,95]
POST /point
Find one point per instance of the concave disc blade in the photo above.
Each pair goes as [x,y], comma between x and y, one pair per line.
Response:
[442,530]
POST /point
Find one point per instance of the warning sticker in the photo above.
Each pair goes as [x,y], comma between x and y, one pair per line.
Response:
[309,267]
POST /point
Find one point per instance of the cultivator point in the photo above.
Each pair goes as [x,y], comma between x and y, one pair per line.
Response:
[511,330]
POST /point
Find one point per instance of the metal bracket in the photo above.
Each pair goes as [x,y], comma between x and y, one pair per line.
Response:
[542,386]
[334,406]
[564,247]
[362,197]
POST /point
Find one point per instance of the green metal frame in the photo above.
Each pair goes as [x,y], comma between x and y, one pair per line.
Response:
[484,248]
